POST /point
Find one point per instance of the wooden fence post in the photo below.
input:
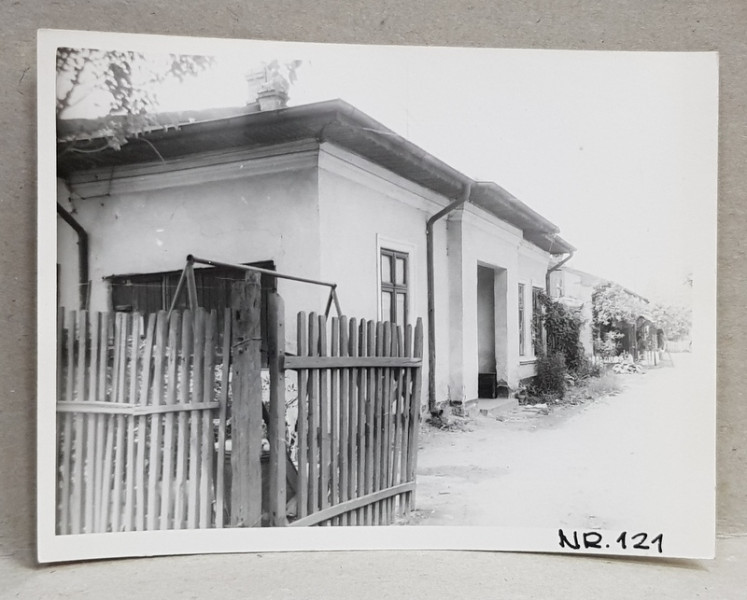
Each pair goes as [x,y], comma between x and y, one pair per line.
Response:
[246,426]
[276,426]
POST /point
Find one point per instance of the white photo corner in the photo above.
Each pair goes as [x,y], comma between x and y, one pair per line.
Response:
[310,296]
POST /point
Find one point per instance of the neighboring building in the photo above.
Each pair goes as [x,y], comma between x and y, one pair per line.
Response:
[576,288]
[321,191]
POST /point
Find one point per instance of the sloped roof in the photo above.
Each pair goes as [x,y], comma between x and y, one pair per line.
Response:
[333,121]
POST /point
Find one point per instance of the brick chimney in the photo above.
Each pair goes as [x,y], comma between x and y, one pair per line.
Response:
[268,89]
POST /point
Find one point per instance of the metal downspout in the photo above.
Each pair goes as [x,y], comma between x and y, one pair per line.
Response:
[431,294]
[555,268]
[82,253]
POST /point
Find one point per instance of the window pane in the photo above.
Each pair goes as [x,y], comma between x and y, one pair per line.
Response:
[386,268]
[386,306]
[400,269]
[401,309]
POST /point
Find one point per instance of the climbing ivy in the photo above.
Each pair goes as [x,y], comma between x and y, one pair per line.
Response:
[562,326]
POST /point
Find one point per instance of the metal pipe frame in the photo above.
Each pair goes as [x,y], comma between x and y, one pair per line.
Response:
[333,299]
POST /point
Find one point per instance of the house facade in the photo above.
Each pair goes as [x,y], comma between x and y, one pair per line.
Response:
[319,191]
[575,289]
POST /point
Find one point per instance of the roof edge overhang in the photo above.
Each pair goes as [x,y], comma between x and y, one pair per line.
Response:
[334,121]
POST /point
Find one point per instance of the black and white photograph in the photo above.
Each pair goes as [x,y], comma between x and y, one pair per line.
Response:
[311,296]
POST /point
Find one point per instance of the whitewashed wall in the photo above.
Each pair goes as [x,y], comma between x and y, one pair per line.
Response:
[476,237]
[364,208]
[240,208]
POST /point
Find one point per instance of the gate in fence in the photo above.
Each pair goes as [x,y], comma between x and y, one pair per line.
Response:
[358,420]
[161,422]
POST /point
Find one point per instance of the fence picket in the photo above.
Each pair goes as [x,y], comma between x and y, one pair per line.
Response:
[362,433]
[396,412]
[129,500]
[370,406]
[334,416]
[220,484]
[76,501]
[386,453]
[246,494]
[302,421]
[90,427]
[407,398]
[105,510]
[276,428]
[195,420]
[378,423]
[118,423]
[156,399]
[167,477]
[206,475]
[412,454]
[345,446]
[324,411]
[101,421]
[67,430]
[356,378]
[60,390]
[313,417]
[182,444]
[140,496]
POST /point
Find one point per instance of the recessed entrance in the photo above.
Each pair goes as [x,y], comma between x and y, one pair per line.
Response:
[491,330]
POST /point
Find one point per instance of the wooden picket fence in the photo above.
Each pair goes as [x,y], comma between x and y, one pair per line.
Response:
[358,420]
[143,405]
[141,421]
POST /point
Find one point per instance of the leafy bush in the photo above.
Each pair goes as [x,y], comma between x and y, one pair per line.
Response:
[551,374]
[610,346]
[587,369]
[563,328]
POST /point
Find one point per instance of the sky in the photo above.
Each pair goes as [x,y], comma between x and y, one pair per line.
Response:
[616,148]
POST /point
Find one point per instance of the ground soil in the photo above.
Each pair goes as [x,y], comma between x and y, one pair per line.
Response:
[634,460]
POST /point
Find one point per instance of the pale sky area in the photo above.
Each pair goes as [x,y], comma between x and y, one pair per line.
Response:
[618,149]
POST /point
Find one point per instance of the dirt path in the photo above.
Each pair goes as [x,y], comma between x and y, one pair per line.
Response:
[626,461]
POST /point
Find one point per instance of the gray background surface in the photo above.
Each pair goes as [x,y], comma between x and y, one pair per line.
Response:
[571,24]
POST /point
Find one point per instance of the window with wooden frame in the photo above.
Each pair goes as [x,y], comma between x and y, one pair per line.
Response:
[522,321]
[537,337]
[395,277]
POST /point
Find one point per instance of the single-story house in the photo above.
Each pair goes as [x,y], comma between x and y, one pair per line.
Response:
[321,191]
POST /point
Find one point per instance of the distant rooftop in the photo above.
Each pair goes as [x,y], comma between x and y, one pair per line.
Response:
[591,279]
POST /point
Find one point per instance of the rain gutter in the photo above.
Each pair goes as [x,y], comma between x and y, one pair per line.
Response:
[555,267]
[82,253]
[431,294]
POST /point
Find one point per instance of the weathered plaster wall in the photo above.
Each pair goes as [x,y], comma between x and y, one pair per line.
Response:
[260,208]
[364,208]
